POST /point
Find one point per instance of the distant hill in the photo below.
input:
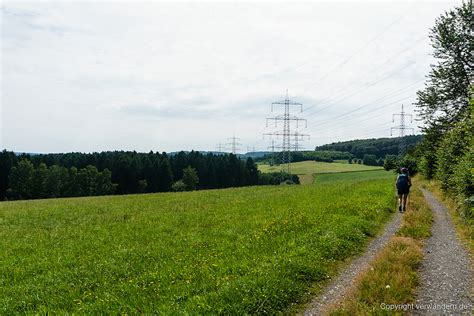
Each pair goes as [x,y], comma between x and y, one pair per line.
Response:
[255,154]
[374,146]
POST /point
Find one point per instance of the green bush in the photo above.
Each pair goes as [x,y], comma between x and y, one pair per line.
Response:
[453,146]
[369,160]
[409,162]
[463,184]
[275,178]
[178,186]
[190,178]
[390,162]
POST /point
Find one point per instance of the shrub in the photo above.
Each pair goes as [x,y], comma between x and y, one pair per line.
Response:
[276,178]
[190,178]
[409,162]
[178,186]
[390,162]
[462,183]
[369,160]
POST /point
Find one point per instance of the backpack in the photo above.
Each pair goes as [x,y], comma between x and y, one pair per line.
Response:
[402,181]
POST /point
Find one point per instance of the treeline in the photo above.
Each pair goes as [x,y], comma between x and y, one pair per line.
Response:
[368,160]
[120,172]
[379,147]
[28,182]
[446,107]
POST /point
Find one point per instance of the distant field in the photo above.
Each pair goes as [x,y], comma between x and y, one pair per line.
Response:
[234,251]
[310,167]
[354,176]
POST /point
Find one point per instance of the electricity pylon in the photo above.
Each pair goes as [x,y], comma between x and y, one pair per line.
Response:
[288,137]
[272,149]
[402,146]
[220,147]
[298,138]
[234,145]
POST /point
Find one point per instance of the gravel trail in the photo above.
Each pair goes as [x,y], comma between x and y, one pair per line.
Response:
[340,286]
[446,275]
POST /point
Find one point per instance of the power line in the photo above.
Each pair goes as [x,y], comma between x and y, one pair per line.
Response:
[369,85]
[346,60]
[332,120]
[402,146]
[370,70]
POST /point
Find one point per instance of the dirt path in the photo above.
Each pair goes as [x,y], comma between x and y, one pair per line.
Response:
[446,276]
[339,287]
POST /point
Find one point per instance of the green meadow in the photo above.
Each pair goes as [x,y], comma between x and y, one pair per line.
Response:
[311,167]
[308,170]
[242,250]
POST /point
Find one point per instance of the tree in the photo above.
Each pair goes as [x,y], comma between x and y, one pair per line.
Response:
[409,162]
[56,181]
[390,162]
[21,180]
[165,176]
[73,186]
[87,179]
[190,178]
[40,176]
[251,172]
[445,99]
[369,160]
[105,185]
[380,162]
[142,186]
[179,186]
[8,160]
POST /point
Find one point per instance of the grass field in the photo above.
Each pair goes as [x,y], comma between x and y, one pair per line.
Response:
[310,167]
[233,251]
[327,178]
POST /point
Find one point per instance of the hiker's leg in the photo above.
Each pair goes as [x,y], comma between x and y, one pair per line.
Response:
[400,201]
[405,196]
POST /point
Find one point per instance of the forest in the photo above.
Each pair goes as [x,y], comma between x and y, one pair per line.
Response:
[380,147]
[28,176]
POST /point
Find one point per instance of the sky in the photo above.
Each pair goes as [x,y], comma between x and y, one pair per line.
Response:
[165,76]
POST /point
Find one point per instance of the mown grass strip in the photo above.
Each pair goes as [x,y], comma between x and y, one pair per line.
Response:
[392,277]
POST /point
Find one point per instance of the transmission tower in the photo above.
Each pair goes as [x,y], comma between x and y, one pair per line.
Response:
[272,146]
[298,138]
[220,147]
[234,145]
[289,138]
[272,149]
[402,146]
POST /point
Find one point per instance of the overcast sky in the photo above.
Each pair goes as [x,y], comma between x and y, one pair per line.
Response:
[92,76]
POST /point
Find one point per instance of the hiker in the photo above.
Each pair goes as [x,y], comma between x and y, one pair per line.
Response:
[403,188]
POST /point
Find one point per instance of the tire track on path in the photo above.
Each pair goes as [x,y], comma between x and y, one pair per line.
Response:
[340,286]
[446,276]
